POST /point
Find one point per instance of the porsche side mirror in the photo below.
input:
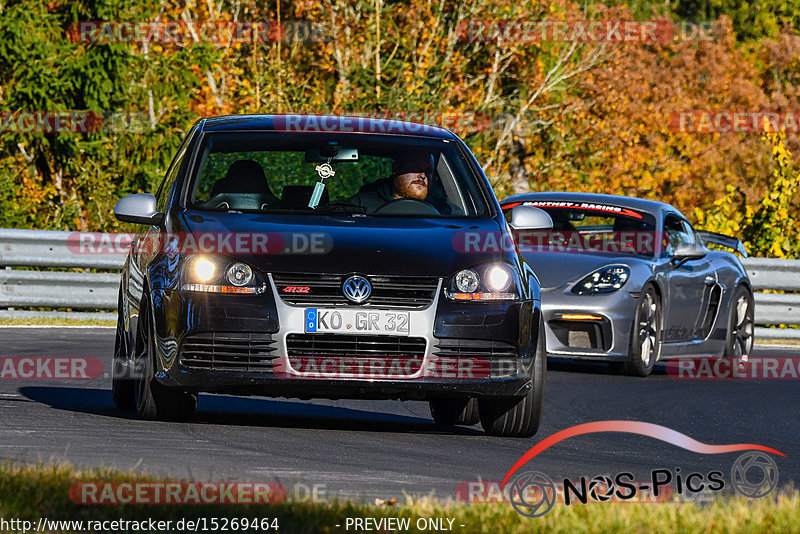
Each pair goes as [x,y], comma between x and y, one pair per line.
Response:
[530,218]
[139,208]
[688,252]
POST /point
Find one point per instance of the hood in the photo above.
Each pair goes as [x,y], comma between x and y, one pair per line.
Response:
[344,244]
[556,269]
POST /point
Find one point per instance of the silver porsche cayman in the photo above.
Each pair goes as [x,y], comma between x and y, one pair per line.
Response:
[630,281]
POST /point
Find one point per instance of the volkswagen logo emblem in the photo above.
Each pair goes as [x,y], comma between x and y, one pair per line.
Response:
[356,289]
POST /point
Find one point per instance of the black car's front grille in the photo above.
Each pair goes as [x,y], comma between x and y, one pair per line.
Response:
[307,289]
[474,347]
[346,346]
[229,351]
[499,357]
[346,356]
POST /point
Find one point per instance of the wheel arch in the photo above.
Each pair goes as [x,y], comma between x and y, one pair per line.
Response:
[660,294]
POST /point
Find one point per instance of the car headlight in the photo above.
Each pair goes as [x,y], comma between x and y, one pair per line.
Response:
[605,280]
[219,275]
[498,278]
[496,281]
[203,269]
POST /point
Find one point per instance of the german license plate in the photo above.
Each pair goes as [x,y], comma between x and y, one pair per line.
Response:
[355,321]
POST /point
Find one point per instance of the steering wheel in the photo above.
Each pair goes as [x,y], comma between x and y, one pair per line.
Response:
[407,206]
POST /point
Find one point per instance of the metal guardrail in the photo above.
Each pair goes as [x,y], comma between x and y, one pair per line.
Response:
[44,248]
[58,289]
[37,248]
[53,289]
[772,274]
[768,274]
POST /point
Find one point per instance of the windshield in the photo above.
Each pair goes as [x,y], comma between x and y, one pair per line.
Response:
[591,228]
[373,175]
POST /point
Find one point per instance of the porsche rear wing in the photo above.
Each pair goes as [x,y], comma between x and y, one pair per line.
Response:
[723,240]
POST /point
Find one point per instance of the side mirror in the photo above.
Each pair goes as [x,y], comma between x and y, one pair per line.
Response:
[530,218]
[687,252]
[139,209]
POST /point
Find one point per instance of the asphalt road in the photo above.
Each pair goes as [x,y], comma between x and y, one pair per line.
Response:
[367,449]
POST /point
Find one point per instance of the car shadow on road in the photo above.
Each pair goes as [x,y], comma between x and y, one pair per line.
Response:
[248,411]
[592,367]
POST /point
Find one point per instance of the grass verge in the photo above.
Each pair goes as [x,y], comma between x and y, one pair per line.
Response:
[31,492]
[46,321]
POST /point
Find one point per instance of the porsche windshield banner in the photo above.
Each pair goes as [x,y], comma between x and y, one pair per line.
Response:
[592,206]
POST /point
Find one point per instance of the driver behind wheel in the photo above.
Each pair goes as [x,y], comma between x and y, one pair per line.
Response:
[410,176]
[410,179]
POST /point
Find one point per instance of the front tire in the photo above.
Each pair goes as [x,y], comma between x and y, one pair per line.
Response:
[741,326]
[514,416]
[153,400]
[454,411]
[646,335]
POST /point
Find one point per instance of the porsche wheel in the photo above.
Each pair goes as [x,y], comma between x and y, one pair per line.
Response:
[741,326]
[646,335]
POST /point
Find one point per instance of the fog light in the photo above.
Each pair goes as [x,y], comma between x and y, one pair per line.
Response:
[239,274]
[467,281]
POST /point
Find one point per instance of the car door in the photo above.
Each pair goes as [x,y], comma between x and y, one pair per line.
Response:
[689,286]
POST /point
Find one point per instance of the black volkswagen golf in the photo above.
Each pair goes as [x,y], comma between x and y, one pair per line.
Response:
[338,257]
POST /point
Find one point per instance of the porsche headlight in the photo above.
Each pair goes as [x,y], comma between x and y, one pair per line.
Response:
[209,274]
[605,280]
[495,281]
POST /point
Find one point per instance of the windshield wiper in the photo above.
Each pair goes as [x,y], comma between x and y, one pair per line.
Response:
[340,208]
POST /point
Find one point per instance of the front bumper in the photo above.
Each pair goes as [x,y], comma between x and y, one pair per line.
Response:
[250,345]
[588,327]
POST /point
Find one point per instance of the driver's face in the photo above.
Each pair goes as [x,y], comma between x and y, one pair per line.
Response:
[411,185]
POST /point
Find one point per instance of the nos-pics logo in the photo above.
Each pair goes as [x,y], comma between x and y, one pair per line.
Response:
[532,493]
